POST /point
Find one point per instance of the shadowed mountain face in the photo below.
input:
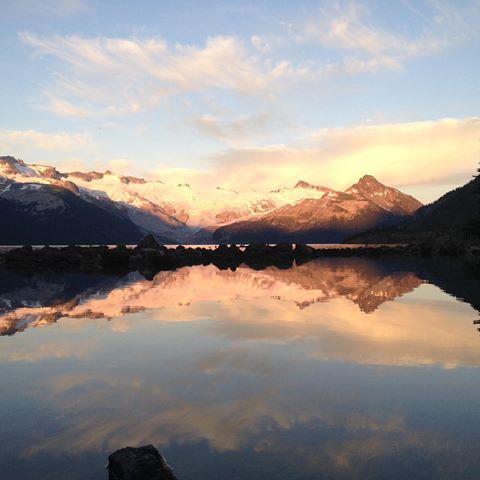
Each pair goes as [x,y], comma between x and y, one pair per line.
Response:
[40,205]
[331,218]
[45,214]
[43,299]
[34,198]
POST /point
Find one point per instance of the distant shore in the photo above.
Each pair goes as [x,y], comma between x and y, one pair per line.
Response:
[149,256]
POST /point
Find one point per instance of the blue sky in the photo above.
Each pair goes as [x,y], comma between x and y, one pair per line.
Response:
[245,94]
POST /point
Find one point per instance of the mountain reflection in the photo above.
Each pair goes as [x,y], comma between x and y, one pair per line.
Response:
[337,368]
[41,300]
[339,305]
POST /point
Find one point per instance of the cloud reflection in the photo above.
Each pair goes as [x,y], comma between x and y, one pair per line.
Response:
[320,363]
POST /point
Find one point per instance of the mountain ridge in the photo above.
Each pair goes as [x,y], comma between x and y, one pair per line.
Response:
[332,218]
[180,213]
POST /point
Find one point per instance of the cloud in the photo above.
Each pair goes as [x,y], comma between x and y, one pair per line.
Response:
[115,76]
[414,155]
[67,109]
[11,140]
[104,76]
[404,154]
[260,43]
[240,128]
[424,158]
[350,27]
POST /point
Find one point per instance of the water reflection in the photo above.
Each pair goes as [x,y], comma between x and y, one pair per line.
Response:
[338,368]
[40,300]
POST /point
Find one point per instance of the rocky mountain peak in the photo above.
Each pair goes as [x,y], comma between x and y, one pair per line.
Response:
[12,166]
[8,159]
[9,162]
[368,182]
[388,198]
[303,184]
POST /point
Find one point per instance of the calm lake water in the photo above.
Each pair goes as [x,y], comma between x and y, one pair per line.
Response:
[335,369]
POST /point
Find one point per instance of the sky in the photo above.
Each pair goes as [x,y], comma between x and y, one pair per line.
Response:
[246,94]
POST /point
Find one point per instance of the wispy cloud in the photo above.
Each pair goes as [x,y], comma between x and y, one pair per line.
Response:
[12,140]
[103,76]
[111,76]
[242,128]
[350,27]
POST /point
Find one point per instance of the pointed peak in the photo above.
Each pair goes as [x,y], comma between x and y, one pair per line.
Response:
[367,182]
[14,166]
[9,160]
[303,184]
[368,179]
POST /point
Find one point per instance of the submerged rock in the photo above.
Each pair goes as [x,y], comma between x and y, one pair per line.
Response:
[142,463]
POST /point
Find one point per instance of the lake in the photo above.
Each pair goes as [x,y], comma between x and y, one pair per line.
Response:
[340,368]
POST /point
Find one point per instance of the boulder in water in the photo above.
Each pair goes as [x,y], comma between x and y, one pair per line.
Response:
[142,463]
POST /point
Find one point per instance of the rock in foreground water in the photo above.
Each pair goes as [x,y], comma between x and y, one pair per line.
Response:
[142,463]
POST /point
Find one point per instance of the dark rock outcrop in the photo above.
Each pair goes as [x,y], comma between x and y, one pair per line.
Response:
[149,242]
[142,463]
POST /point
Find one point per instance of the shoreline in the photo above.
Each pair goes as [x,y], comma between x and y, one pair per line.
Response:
[149,257]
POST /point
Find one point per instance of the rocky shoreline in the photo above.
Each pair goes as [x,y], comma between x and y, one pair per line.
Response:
[149,257]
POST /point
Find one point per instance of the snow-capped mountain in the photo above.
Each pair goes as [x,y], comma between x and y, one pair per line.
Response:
[180,212]
[103,190]
[331,218]
[388,198]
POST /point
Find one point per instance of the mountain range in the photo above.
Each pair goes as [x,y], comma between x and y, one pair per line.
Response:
[39,204]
